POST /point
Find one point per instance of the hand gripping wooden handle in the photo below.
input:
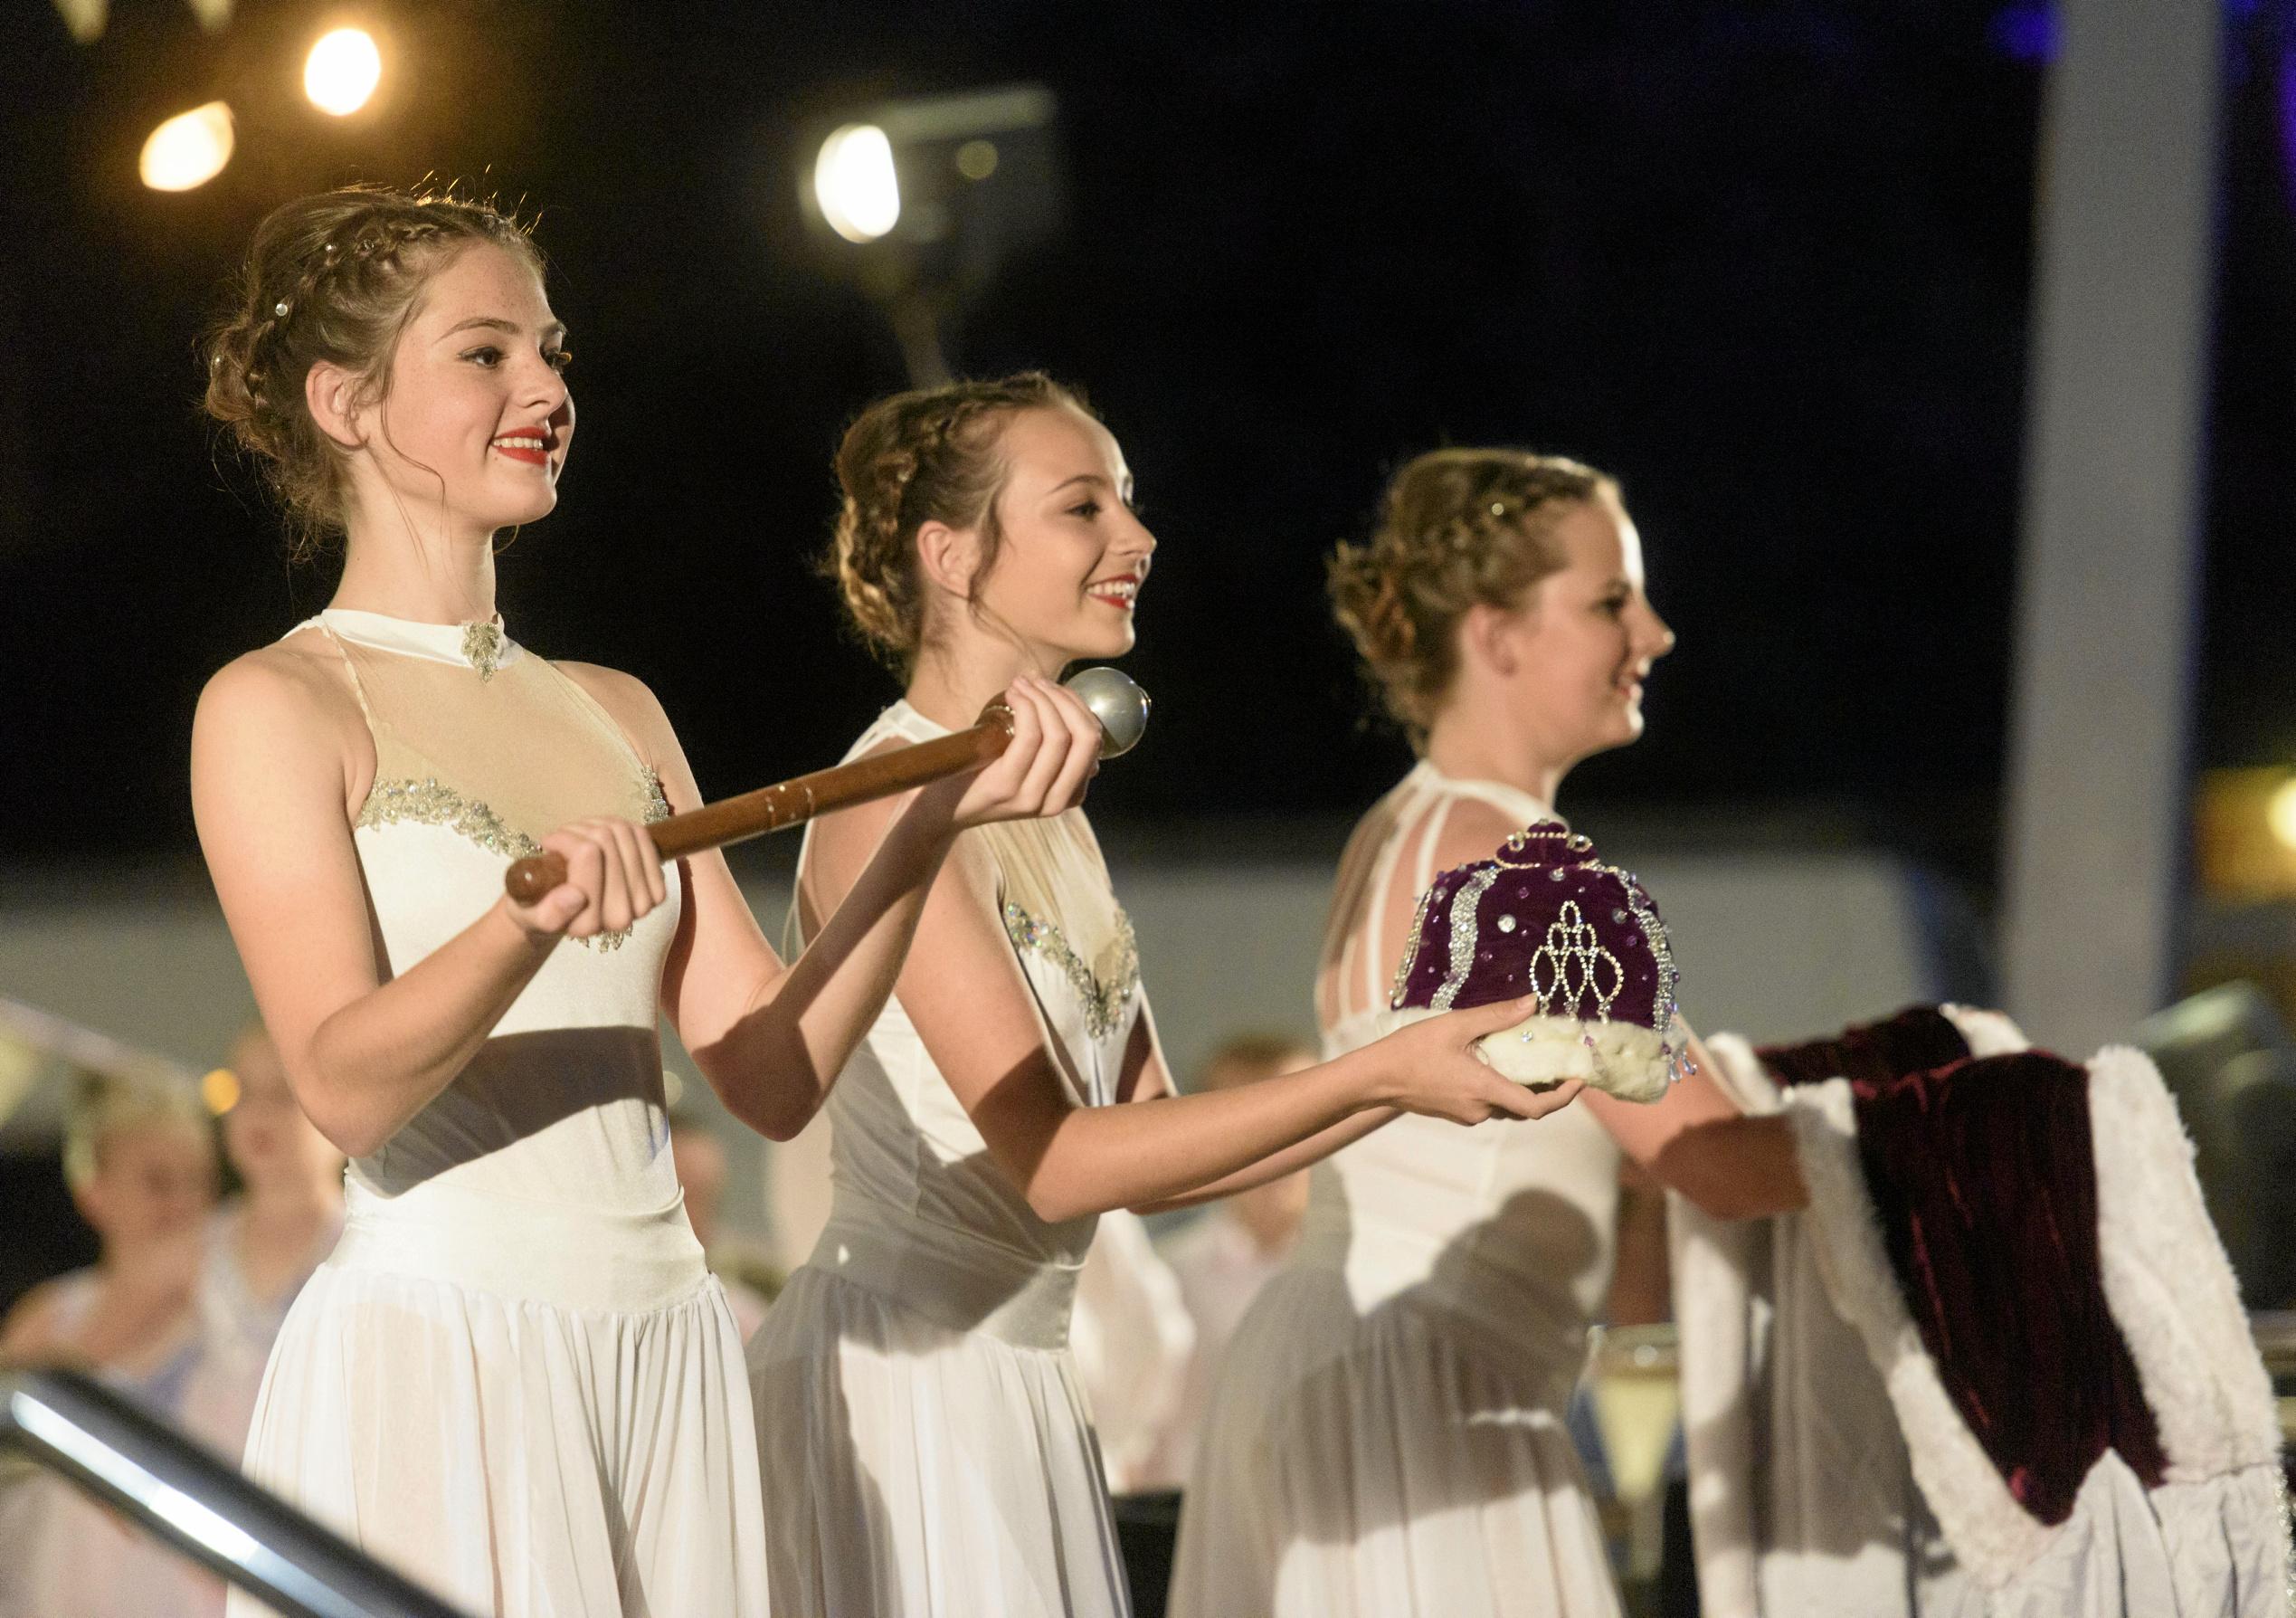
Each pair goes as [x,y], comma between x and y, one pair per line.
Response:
[791,803]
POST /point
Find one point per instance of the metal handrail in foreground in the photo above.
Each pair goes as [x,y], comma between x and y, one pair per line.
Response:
[75,1426]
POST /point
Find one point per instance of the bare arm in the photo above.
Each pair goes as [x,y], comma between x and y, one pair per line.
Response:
[1695,1140]
[1146,1078]
[969,1001]
[772,1037]
[279,758]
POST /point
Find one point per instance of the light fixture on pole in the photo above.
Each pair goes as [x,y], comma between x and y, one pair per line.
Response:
[924,201]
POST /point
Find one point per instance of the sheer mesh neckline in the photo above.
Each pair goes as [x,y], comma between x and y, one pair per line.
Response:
[1517,799]
[476,644]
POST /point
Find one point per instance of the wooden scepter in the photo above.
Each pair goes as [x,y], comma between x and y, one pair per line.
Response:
[1120,706]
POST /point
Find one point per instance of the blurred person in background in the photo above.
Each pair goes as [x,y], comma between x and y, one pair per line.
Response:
[1132,1339]
[139,1156]
[262,1245]
[702,1167]
[1388,1435]
[1223,1259]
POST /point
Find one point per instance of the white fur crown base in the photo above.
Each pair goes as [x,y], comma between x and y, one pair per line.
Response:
[1622,1059]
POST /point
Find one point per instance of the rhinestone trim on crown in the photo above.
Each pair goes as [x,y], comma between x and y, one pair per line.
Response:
[1567,969]
[1463,903]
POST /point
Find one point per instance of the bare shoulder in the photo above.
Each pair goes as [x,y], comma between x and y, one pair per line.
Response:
[852,834]
[289,693]
[630,703]
[28,1330]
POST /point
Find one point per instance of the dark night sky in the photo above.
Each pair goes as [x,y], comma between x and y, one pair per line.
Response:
[1767,261]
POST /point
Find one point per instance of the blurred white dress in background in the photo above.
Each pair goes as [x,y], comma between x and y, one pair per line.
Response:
[1133,1340]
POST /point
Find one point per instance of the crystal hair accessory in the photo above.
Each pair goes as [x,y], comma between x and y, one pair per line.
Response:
[1546,917]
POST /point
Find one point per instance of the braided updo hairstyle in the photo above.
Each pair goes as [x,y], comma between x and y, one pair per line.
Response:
[929,455]
[1456,528]
[332,278]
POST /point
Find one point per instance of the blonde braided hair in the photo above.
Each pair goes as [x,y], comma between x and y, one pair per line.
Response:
[1456,528]
[331,277]
[928,455]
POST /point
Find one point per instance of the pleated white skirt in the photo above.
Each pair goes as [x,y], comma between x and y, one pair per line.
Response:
[1395,1464]
[923,1467]
[534,1413]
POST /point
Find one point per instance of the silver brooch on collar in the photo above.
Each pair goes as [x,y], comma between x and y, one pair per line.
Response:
[482,646]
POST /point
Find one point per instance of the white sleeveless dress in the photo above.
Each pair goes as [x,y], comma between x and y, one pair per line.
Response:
[513,1378]
[1386,1434]
[926,1444]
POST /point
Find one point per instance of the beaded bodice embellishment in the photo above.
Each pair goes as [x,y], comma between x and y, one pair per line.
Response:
[432,803]
[1104,999]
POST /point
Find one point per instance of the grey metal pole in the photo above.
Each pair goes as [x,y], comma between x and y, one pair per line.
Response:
[177,1492]
[2108,562]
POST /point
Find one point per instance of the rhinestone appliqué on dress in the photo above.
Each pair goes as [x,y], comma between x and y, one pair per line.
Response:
[432,803]
[1104,1002]
[482,647]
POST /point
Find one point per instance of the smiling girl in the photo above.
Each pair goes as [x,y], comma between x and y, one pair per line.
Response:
[513,1377]
[1386,1437]
[926,1445]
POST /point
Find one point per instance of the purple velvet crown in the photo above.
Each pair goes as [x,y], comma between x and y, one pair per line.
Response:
[1545,917]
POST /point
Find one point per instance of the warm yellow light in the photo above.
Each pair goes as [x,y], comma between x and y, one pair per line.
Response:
[343,71]
[219,1090]
[977,159]
[854,182]
[189,149]
[2279,813]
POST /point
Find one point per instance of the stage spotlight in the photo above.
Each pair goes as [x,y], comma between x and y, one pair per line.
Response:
[924,202]
[2245,834]
[188,151]
[854,184]
[342,70]
[2281,814]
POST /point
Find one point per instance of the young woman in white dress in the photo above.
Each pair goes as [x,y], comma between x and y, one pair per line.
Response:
[513,1377]
[925,1447]
[1388,1435]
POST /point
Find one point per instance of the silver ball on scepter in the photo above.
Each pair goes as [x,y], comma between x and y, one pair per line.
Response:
[1119,704]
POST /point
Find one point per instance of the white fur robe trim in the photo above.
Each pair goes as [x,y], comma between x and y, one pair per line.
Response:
[1622,1059]
[2168,1282]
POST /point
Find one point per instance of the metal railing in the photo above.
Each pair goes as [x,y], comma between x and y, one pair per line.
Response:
[112,1450]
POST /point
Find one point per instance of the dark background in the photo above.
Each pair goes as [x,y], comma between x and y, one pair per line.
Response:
[1768,262]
